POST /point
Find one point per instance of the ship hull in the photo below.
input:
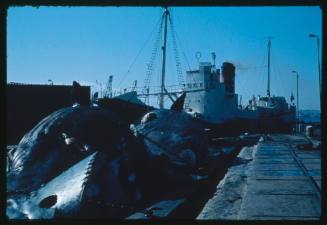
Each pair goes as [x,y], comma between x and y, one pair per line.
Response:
[284,123]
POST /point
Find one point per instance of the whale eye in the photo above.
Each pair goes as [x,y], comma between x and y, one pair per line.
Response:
[148,117]
[48,201]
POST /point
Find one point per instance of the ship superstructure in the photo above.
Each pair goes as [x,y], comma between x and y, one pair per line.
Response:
[211,97]
[211,93]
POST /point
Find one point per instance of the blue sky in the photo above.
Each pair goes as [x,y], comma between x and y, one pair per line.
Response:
[90,43]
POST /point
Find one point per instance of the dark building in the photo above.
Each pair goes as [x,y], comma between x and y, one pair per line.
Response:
[28,104]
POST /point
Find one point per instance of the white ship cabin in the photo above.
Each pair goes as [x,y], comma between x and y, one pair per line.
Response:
[211,94]
[272,103]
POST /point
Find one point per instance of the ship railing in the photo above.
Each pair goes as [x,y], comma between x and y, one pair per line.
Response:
[156,90]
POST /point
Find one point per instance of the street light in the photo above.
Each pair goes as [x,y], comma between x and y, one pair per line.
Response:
[316,36]
[297,93]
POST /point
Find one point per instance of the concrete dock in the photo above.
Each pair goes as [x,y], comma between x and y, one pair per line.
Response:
[277,179]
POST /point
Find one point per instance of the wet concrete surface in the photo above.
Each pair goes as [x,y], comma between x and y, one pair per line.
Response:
[274,180]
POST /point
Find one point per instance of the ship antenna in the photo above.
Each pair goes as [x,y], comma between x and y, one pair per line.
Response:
[163,70]
[268,84]
[198,56]
[214,58]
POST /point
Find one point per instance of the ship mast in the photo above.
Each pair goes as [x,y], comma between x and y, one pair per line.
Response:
[268,84]
[163,70]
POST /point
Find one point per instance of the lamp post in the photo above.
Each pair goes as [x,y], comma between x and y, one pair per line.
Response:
[316,36]
[297,94]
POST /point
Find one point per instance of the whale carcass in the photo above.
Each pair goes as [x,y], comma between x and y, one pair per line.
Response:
[175,142]
[86,162]
[61,141]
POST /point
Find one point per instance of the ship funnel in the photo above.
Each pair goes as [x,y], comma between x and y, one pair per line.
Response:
[228,76]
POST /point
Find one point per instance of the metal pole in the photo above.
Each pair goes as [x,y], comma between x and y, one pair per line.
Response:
[163,70]
[268,84]
[297,94]
[319,72]
[319,68]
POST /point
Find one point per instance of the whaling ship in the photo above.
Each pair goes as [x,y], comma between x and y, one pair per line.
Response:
[211,98]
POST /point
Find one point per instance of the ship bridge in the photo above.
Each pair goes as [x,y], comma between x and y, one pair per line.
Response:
[211,93]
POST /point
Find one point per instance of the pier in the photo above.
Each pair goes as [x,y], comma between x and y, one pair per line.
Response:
[277,179]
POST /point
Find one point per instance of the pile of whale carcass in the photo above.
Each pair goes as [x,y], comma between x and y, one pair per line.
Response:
[86,162]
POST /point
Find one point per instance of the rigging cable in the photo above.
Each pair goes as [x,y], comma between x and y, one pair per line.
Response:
[280,79]
[150,65]
[176,54]
[185,57]
[139,53]
[261,72]
[182,45]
